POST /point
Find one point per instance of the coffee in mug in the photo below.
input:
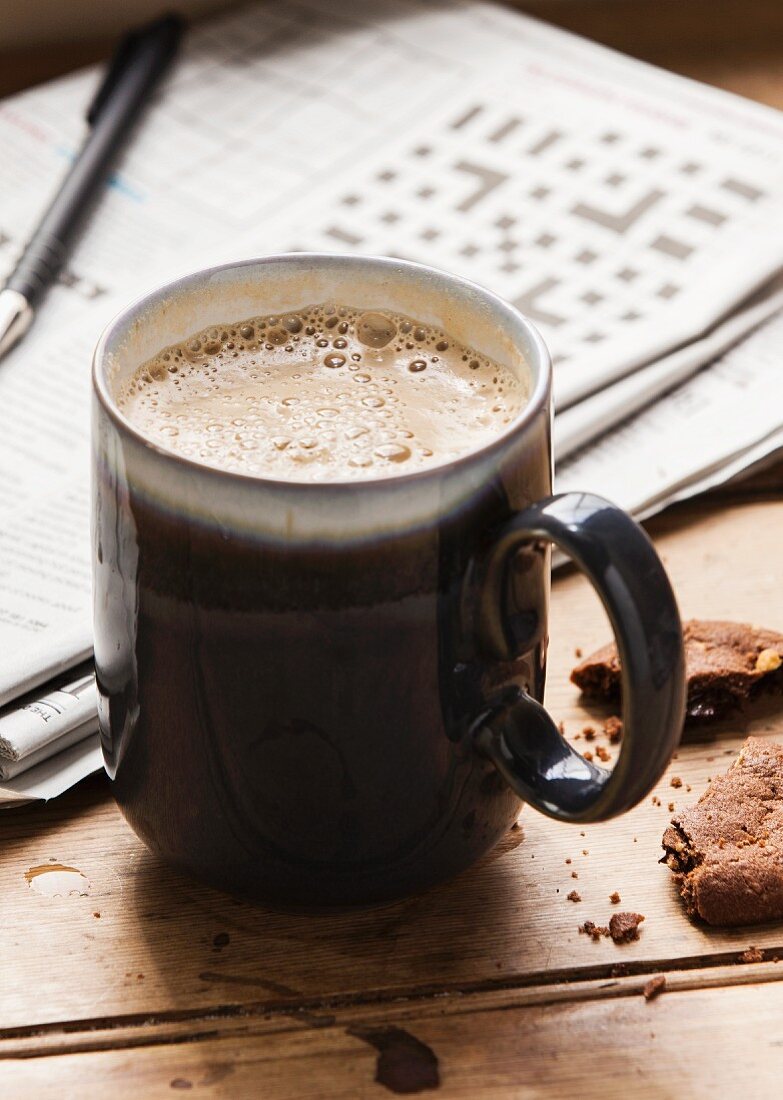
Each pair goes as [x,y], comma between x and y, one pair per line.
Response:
[326,392]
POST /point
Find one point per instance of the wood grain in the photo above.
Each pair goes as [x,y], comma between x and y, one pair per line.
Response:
[482,1046]
[733,44]
[736,47]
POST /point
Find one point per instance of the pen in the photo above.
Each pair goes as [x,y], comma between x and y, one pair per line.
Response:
[138,63]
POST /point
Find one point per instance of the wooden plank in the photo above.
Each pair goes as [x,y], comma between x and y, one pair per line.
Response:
[23,67]
[686,1043]
[735,47]
[507,922]
[194,1025]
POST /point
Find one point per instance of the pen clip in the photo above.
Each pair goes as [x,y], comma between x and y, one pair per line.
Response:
[167,27]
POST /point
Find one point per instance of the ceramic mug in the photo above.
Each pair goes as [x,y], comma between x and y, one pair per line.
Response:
[330,693]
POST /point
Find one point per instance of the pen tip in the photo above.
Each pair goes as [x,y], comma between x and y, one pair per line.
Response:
[16,315]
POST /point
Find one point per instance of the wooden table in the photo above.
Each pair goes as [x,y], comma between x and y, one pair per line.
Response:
[148,983]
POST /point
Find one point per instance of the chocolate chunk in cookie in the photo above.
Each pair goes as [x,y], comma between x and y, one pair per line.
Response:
[725,664]
[726,852]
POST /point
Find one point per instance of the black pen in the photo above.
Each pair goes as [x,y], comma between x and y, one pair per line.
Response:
[140,60]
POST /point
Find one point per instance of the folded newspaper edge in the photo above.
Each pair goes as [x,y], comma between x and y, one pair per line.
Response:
[40,719]
[53,776]
[13,769]
[580,424]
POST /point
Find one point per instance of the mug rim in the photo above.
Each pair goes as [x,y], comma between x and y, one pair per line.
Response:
[536,402]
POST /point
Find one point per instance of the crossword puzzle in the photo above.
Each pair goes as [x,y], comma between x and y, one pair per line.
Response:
[625,212]
[586,233]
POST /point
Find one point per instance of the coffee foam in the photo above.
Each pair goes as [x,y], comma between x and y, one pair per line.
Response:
[324,393]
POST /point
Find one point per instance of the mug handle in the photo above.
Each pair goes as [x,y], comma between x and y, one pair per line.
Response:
[518,735]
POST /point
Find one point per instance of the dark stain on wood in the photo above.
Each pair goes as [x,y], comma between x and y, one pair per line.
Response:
[405,1064]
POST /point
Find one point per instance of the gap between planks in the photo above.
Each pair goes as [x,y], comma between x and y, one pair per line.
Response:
[278,1017]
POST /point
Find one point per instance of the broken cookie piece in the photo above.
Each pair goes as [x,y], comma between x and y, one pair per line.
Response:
[726,852]
[624,927]
[725,664]
[654,987]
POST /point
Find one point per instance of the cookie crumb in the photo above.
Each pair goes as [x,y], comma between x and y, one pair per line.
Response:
[654,987]
[624,927]
[568,861]
[670,807]
[588,755]
[602,754]
[752,955]
[614,898]
[578,652]
[595,931]
[574,896]
[613,728]
[574,874]
[675,781]
[656,800]
[588,732]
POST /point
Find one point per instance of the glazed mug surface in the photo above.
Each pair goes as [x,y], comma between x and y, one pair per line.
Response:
[330,693]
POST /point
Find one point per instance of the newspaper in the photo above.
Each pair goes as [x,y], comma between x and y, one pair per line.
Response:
[54,775]
[600,412]
[631,213]
[709,429]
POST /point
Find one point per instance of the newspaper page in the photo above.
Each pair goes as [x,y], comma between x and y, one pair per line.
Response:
[627,211]
[600,412]
[712,427]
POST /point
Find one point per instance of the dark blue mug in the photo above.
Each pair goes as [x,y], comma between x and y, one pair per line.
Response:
[326,694]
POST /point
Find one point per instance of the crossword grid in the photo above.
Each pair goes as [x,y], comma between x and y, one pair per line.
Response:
[586,232]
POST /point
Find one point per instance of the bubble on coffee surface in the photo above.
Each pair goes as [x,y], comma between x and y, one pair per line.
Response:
[326,392]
